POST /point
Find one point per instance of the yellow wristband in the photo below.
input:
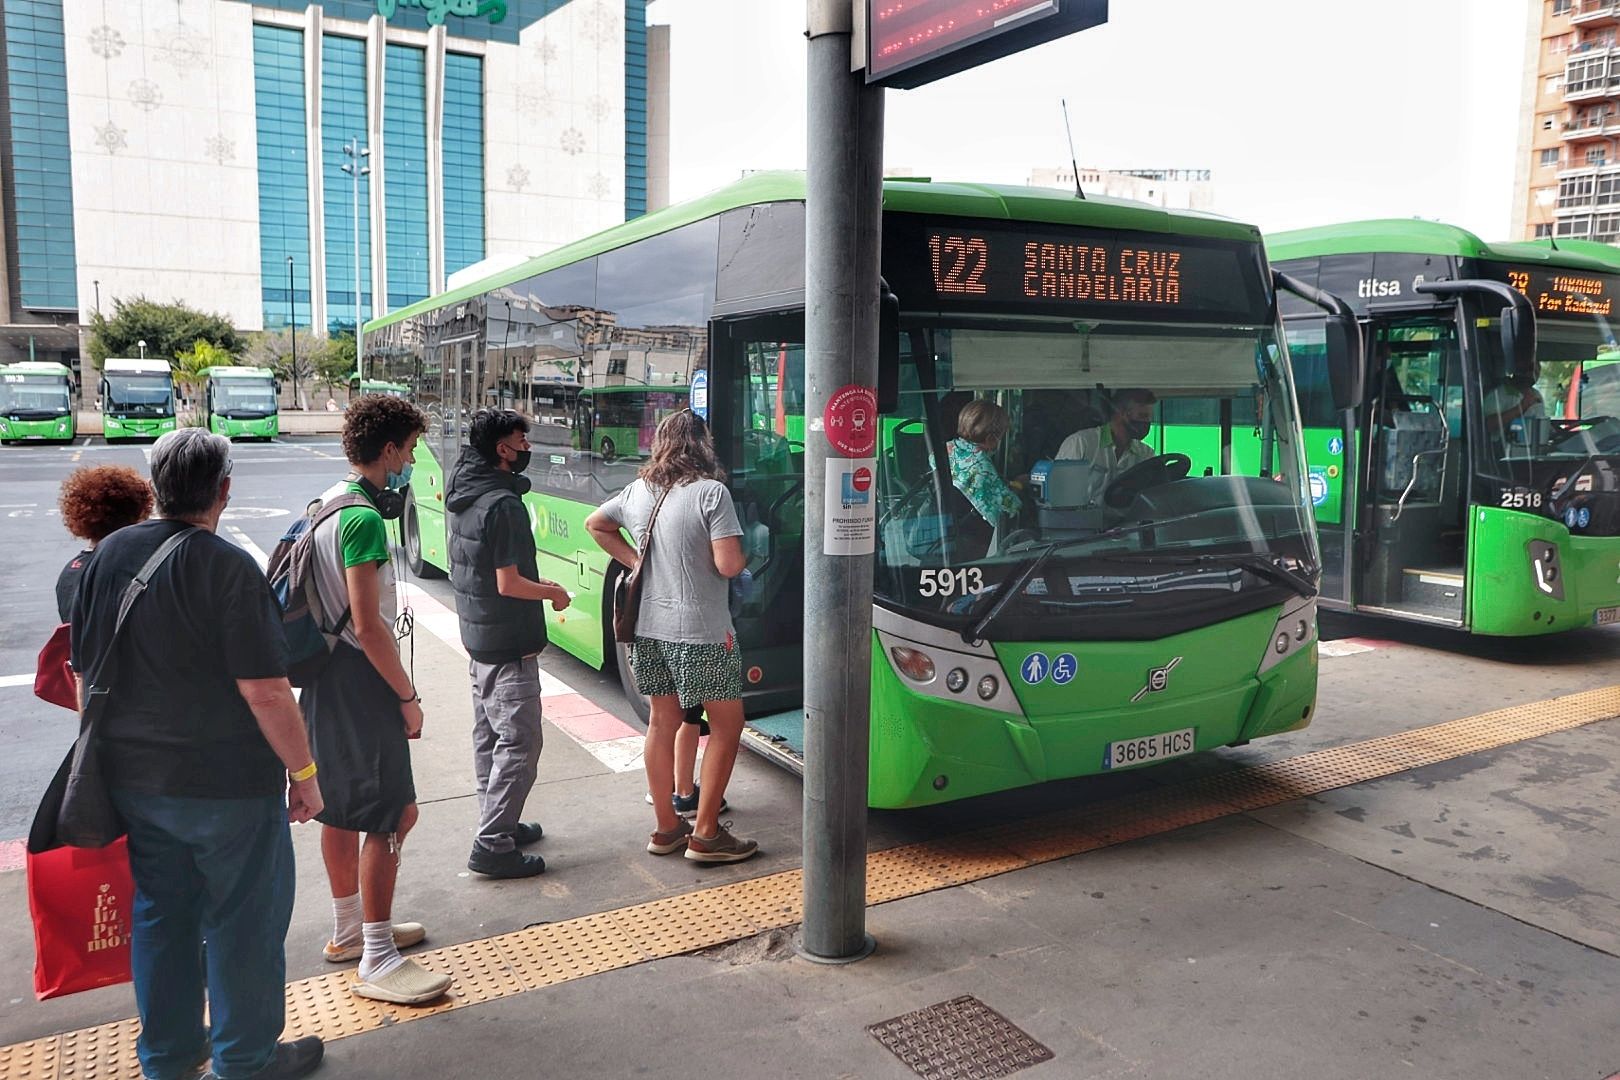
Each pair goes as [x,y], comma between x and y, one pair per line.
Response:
[303,774]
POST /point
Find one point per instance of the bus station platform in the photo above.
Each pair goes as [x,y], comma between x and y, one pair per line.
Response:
[1423,882]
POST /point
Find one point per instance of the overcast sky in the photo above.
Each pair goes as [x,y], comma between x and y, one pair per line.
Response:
[1308,112]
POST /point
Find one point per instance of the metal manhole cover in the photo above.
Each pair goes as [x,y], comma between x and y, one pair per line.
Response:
[960,1039]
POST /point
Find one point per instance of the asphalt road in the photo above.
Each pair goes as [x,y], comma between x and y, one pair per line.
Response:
[272,482]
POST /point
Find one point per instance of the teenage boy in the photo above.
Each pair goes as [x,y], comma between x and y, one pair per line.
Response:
[500,603]
[363,708]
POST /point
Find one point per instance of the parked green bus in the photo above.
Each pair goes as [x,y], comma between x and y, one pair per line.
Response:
[1478,484]
[137,399]
[1172,612]
[36,403]
[242,402]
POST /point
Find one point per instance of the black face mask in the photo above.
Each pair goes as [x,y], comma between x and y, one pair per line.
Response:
[520,463]
[1138,429]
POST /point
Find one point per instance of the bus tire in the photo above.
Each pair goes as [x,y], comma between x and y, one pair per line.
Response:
[419,566]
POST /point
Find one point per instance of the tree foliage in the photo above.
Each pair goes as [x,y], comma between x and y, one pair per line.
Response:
[168,329]
[274,349]
[336,366]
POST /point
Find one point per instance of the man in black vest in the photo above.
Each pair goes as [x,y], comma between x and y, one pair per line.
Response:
[499,596]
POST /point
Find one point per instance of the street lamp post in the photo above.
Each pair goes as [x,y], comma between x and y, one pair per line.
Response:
[356,168]
[292,327]
[97,284]
[142,346]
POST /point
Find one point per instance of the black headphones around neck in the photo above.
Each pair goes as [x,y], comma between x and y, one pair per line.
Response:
[390,502]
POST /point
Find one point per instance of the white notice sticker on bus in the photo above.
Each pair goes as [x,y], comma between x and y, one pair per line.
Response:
[849,521]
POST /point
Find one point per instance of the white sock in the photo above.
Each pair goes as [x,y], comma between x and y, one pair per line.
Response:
[381,955]
[346,920]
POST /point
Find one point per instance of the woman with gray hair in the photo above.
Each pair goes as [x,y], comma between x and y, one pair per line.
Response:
[205,755]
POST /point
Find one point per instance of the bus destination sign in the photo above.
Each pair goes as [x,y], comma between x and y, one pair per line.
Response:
[1022,268]
[914,42]
[1564,292]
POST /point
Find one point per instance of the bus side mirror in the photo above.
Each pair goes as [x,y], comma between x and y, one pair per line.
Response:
[1518,320]
[888,387]
[1519,338]
[1347,369]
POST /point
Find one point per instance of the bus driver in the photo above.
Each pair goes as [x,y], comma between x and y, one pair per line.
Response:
[1116,447]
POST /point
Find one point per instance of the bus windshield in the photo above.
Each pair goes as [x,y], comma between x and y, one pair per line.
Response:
[33,397]
[244,399]
[1110,477]
[139,395]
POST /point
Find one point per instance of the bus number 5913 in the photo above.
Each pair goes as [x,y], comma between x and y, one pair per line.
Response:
[968,581]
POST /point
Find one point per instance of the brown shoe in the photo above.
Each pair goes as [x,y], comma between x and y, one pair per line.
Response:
[667,843]
[722,847]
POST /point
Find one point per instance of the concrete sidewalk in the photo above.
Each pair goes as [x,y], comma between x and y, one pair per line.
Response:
[1452,921]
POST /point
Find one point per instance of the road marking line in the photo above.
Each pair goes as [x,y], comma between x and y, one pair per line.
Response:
[1343,647]
[249,546]
[13,855]
[16,680]
[548,954]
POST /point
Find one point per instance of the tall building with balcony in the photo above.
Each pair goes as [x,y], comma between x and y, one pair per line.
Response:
[1568,177]
[194,151]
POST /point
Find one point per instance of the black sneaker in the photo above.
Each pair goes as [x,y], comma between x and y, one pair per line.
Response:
[505,864]
[293,1059]
[686,805]
[527,833]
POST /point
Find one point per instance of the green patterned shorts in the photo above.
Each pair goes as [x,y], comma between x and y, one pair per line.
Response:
[696,673]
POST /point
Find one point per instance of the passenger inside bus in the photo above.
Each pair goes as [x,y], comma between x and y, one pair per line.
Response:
[1514,400]
[1116,447]
[980,427]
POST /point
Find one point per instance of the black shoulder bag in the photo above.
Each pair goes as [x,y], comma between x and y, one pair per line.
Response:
[77,810]
[627,590]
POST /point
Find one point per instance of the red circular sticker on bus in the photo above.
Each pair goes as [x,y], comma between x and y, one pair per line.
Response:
[861,479]
[755,674]
[850,420]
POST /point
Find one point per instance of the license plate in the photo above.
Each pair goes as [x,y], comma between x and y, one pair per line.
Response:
[1130,752]
[1606,616]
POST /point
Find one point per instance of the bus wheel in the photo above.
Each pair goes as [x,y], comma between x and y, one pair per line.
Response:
[637,700]
[413,546]
[609,451]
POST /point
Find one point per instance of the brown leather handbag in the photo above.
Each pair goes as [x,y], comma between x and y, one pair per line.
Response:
[627,590]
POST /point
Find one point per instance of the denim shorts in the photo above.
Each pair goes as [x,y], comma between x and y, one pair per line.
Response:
[706,671]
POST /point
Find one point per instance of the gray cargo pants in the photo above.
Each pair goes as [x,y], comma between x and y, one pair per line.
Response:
[506,745]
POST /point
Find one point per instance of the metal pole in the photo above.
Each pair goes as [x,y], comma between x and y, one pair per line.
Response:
[842,216]
[359,362]
[292,327]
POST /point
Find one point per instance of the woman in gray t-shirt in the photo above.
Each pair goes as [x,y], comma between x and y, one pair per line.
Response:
[685,653]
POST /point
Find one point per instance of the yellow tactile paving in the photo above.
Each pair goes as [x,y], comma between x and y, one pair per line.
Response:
[539,956]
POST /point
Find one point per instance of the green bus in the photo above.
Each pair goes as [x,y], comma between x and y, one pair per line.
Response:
[137,399]
[1477,485]
[242,402]
[36,403]
[616,420]
[1175,613]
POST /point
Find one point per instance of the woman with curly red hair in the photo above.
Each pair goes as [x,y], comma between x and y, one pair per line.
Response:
[95,503]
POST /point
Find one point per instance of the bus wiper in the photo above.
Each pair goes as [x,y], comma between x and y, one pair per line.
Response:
[1260,565]
[1019,578]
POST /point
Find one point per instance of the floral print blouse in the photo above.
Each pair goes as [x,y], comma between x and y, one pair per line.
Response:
[975,476]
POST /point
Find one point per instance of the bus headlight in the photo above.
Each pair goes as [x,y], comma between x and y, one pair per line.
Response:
[956,680]
[988,687]
[1294,631]
[914,664]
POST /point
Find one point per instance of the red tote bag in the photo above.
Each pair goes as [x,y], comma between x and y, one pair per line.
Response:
[53,676]
[80,900]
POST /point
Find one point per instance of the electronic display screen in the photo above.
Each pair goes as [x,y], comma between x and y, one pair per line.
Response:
[1558,291]
[930,39]
[1067,269]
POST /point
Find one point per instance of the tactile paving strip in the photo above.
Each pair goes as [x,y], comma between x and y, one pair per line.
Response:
[508,964]
[960,1039]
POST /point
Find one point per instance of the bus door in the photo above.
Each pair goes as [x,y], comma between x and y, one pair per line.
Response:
[756,409]
[1413,537]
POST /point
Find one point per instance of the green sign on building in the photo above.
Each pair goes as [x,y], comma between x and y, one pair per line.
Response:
[436,10]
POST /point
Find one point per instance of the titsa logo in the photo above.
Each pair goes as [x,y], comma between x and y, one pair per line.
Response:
[1374,288]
